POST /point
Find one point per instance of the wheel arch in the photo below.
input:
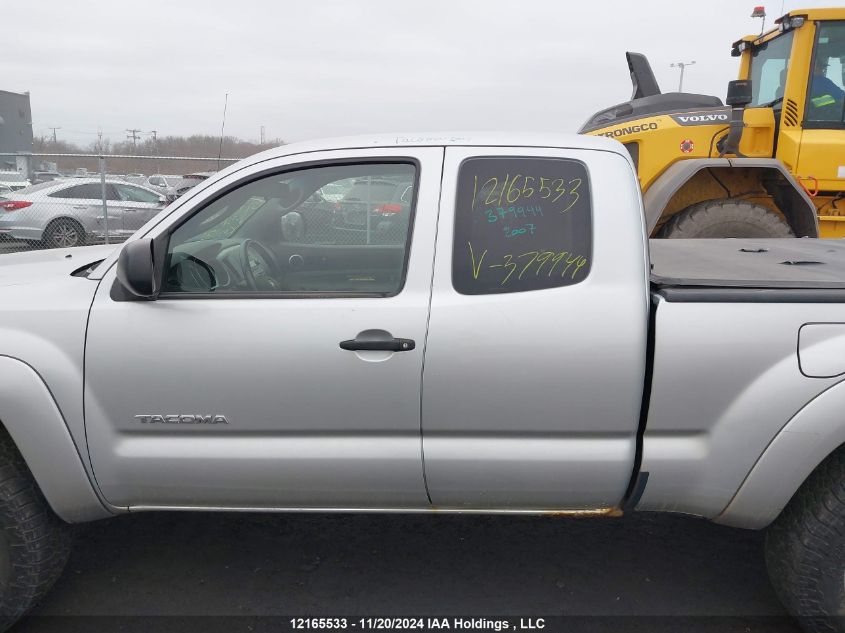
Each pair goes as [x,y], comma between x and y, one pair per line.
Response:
[813,434]
[59,218]
[678,187]
[32,418]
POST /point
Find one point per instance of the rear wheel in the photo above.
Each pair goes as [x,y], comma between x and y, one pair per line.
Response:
[805,549]
[725,218]
[34,542]
[64,233]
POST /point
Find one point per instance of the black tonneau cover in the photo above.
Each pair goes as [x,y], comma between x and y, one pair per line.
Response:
[799,264]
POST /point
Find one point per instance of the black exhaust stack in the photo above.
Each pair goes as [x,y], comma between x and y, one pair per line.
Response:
[645,85]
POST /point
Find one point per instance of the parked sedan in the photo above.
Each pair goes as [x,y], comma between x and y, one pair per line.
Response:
[164,184]
[70,213]
[374,211]
[13,180]
[45,176]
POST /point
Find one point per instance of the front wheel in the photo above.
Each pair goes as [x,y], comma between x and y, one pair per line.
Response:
[725,218]
[805,549]
[64,233]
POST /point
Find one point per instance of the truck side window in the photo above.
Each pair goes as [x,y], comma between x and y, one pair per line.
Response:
[521,224]
[285,233]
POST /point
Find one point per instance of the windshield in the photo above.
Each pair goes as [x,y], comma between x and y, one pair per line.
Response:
[769,63]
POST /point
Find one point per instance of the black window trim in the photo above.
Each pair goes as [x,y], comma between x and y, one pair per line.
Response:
[512,156]
[162,242]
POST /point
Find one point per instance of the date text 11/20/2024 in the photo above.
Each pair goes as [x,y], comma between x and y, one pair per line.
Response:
[419,624]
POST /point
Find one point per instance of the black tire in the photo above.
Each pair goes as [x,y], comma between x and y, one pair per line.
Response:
[805,549]
[63,233]
[725,218]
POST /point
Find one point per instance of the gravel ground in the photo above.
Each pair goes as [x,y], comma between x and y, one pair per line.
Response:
[643,572]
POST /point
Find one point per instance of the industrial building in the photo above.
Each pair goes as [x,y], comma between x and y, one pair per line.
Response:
[15,127]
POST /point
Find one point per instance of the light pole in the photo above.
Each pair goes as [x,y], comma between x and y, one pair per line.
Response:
[681,65]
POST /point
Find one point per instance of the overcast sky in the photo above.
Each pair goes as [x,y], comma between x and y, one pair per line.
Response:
[312,68]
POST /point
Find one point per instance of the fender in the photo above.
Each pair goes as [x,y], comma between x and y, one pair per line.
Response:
[789,197]
[30,414]
[808,438]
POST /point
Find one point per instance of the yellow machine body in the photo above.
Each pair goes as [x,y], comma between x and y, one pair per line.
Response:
[811,151]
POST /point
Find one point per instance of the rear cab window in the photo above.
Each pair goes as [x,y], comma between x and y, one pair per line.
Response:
[521,223]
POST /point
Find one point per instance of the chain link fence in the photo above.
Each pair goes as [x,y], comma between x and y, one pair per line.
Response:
[82,199]
[66,200]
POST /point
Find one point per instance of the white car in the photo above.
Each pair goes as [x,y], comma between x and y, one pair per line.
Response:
[70,213]
[13,180]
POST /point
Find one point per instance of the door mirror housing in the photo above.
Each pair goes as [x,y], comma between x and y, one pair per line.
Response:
[739,93]
[136,269]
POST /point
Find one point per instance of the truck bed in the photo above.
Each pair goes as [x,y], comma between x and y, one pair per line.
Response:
[795,264]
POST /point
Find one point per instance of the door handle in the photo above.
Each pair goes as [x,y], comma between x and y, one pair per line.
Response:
[390,345]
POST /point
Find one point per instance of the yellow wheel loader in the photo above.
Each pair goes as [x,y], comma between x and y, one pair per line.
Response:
[768,163]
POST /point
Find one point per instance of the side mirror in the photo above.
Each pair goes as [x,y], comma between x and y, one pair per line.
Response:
[136,269]
[739,93]
[739,96]
[162,200]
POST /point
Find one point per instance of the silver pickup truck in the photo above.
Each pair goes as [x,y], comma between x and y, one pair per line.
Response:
[465,324]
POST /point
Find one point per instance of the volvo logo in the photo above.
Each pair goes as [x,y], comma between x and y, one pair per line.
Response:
[702,118]
[181,419]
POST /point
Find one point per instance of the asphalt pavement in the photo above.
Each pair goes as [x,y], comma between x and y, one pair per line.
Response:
[247,572]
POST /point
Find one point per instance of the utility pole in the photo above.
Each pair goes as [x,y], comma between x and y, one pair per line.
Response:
[681,65]
[262,135]
[134,136]
[54,133]
[222,128]
[154,135]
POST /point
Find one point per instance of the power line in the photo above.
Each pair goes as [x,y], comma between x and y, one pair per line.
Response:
[54,132]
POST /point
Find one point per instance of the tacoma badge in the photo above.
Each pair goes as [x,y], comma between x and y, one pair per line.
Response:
[182,419]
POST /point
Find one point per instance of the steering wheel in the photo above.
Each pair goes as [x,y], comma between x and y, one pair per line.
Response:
[261,272]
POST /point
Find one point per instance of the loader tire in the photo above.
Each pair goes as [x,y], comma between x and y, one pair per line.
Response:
[725,218]
[805,549]
[34,542]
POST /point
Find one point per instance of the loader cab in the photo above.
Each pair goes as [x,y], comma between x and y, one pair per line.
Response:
[798,70]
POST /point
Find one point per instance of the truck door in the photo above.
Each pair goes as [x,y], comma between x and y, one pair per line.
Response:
[280,366]
[536,351]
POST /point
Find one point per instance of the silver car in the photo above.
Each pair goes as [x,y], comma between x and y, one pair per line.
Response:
[70,213]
